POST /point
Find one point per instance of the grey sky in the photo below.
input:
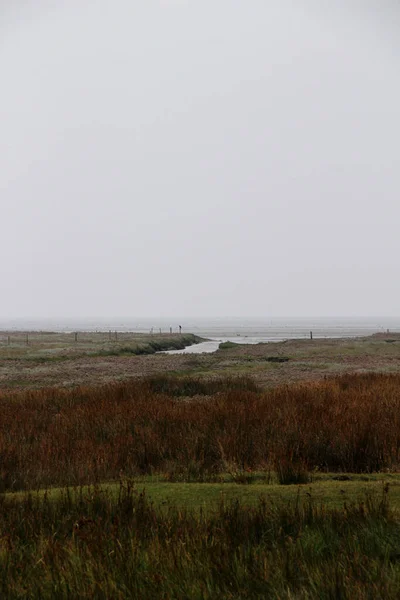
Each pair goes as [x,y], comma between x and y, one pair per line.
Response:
[213,157]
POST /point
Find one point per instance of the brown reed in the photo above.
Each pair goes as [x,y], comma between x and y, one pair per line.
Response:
[195,429]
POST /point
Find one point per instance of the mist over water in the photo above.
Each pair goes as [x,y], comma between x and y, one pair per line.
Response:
[240,330]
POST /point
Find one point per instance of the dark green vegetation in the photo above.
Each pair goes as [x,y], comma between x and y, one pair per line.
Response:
[227,345]
[151,346]
[90,544]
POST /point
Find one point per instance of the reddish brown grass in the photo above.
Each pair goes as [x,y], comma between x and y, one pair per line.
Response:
[197,429]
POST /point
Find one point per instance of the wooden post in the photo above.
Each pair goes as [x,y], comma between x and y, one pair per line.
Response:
[116,336]
[75,337]
[310,335]
[27,339]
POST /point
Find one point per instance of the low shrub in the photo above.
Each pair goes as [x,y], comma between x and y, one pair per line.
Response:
[227,345]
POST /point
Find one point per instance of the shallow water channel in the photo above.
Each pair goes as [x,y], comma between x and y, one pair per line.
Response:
[212,344]
[202,348]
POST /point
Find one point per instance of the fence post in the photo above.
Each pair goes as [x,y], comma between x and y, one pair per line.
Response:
[76,336]
[310,335]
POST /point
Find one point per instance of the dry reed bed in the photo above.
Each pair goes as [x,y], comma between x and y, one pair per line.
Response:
[192,429]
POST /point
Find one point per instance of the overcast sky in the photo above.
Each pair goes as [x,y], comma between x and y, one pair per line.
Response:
[212,158]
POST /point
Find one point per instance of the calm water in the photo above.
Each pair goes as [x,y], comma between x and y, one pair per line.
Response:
[241,330]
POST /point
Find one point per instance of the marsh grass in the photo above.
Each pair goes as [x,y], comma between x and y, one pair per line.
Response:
[90,544]
[292,473]
[149,347]
[227,345]
[111,541]
[42,349]
[197,429]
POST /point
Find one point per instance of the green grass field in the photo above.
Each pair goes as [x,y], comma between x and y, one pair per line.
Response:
[102,542]
[332,490]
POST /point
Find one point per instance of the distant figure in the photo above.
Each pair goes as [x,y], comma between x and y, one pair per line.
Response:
[180,328]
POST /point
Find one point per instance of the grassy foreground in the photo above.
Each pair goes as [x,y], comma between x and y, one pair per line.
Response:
[94,545]
[213,514]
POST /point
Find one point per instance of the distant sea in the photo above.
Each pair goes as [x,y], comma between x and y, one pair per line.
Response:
[241,330]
